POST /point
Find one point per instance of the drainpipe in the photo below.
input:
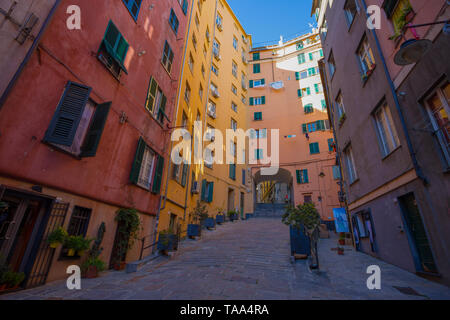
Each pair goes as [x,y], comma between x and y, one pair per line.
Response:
[412,153]
[162,204]
[29,54]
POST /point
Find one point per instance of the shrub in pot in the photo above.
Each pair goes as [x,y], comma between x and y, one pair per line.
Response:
[77,244]
[57,237]
[199,214]
[342,239]
[129,226]
[92,266]
[167,241]
[233,215]
[209,223]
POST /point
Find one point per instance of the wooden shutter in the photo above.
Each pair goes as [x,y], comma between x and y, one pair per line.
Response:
[137,162]
[299,177]
[305,176]
[251,84]
[92,140]
[263,81]
[243,176]
[156,188]
[297,76]
[162,109]
[263,100]
[68,114]
[184,174]
[299,93]
[204,186]
[151,94]
[211,192]
[311,56]
[308,91]
[252,101]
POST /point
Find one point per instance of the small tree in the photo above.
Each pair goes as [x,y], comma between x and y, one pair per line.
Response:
[303,215]
[200,213]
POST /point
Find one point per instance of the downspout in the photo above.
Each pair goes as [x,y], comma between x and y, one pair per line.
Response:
[29,54]
[162,204]
[412,153]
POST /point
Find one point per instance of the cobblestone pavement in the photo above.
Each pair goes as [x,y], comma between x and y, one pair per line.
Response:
[246,260]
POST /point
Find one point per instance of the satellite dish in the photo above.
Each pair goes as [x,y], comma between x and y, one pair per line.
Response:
[411,51]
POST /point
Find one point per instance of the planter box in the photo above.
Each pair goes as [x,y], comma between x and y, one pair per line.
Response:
[234,217]
[209,223]
[194,230]
[248,216]
[300,243]
[167,242]
[91,273]
[220,219]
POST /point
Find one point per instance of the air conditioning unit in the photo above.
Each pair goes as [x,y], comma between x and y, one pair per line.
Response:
[195,187]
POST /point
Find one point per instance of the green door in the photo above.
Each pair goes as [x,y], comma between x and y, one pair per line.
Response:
[417,235]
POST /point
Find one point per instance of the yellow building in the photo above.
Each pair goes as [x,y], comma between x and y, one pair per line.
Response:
[213,90]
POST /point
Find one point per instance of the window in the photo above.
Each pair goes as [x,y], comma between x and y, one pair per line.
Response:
[302,176]
[207,191]
[203,71]
[259,134]
[233,171]
[234,69]
[197,20]
[438,108]
[331,65]
[331,145]
[79,221]
[299,45]
[167,58]
[259,154]
[187,93]
[318,88]
[351,9]
[257,116]
[113,50]
[387,134]
[304,92]
[320,125]
[194,41]
[398,14]
[365,57]
[216,49]
[134,7]
[258,101]
[257,68]
[324,104]
[313,71]
[350,164]
[256,56]
[308,108]
[200,91]
[340,105]
[179,173]
[336,173]
[234,107]
[324,30]
[311,56]
[191,63]
[156,101]
[314,148]
[173,21]
[212,109]
[235,43]
[244,182]
[215,69]
[301,58]
[205,51]
[307,198]
[147,168]
[234,89]
[184,5]
[78,123]
[208,35]
[234,125]
[257,83]
[219,22]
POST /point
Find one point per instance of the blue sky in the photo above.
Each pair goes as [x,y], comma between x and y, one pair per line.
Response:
[266,20]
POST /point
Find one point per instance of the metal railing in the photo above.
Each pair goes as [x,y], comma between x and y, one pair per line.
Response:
[153,240]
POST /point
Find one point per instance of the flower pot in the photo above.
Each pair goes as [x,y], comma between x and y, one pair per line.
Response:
[71,252]
[167,242]
[342,242]
[194,230]
[91,272]
[54,245]
[209,223]
[220,219]
[120,266]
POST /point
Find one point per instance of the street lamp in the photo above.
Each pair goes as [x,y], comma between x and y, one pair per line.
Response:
[411,51]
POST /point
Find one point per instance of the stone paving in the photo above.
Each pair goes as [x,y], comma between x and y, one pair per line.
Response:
[246,260]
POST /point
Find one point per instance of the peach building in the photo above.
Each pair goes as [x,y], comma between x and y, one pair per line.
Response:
[285,93]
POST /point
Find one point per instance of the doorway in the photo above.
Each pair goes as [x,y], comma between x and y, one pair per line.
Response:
[242,205]
[231,200]
[417,235]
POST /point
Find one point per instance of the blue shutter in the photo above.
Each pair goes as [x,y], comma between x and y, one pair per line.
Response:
[68,114]
[185,6]
[243,176]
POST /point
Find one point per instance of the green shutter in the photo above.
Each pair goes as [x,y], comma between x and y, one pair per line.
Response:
[308,91]
[263,81]
[184,174]
[324,105]
[299,93]
[137,162]
[297,76]
[314,148]
[305,176]
[92,140]
[210,192]
[263,100]
[321,53]
[336,172]
[204,186]
[115,43]
[252,101]
[304,128]
[256,68]
[256,56]
[299,176]
[251,84]
[68,114]
[162,109]
[301,58]
[311,56]
[316,87]
[158,175]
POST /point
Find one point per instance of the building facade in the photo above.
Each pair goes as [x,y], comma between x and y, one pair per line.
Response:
[213,93]
[85,131]
[286,93]
[392,129]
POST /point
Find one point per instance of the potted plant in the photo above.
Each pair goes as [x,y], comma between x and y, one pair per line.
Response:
[406,17]
[129,226]
[220,218]
[233,215]
[199,214]
[92,266]
[167,241]
[57,237]
[10,280]
[303,220]
[342,239]
[77,244]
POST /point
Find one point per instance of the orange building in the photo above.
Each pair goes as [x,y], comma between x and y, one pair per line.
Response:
[286,94]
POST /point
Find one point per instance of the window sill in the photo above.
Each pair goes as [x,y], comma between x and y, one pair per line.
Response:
[55,147]
[390,153]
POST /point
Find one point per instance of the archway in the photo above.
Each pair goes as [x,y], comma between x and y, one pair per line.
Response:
[276,189]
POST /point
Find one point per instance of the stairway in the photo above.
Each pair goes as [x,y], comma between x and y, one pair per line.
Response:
[269,210]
